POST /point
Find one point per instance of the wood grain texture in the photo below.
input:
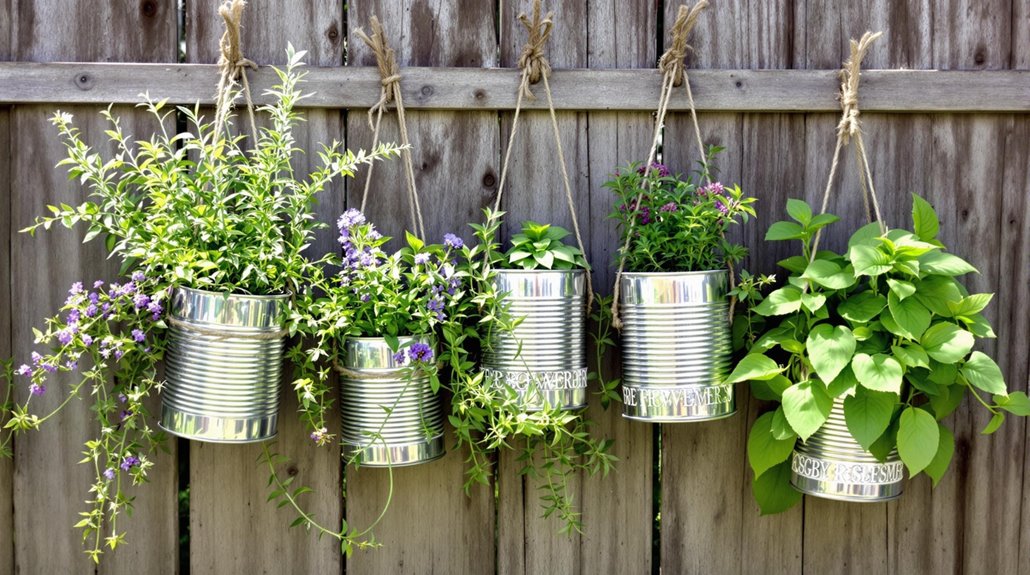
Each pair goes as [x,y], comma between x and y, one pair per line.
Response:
[1013,294]
[44,267]
[432,527]
[232,528]
[6,316]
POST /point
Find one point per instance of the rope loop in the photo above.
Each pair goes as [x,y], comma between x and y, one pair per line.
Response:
[233,67]
[532,62]
[671,61]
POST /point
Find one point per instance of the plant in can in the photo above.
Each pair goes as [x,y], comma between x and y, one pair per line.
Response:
[887,328]
[189,209]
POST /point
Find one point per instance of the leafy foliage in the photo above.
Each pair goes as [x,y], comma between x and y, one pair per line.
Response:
[885,326]
[540,246]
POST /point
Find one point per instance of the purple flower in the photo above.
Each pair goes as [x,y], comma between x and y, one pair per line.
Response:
[98,284]
[366,259]
[91,310]
[138,336]
[366,298]
[350,218]
[645,215]
[24,370]
[49,367]
[155,308]
[663,170]
[76,289]
[93,297]
[435,305]
[319,435]
[109,474]
[722,207]
[36,358]
[373,234]
[141,301]
[129,462]
[71,364]
[73,316]
[421,259]
[137,276]
[37,389]
[105,352]
[420,352]
[344,238]
[128,289]
[399,358]
[669,207]
[65,337]
[87,339]
[122,398]
[118,354]
[712,189]
[452,241]
[126,414]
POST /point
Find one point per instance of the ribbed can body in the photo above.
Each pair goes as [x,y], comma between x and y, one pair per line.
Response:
[544,360]
[676,347]
[831,464]
[223,366]
[390,414]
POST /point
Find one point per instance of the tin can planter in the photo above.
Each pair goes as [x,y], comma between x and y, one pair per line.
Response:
[544,360]
[223,366]
[391,417]
[676,346]
[832,465]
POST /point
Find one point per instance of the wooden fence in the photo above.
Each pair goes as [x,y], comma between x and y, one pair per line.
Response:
[960,139]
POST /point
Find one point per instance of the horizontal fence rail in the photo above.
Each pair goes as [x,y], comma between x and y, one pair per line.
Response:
[441,88]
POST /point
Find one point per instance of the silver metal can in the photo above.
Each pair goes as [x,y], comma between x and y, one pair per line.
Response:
[544,360]
[831,464]
[391,417]
[223,366]
[676,346]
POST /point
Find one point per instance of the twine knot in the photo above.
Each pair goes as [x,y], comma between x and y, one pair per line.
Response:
[232,61]
[532,62]
[671,61]
[849,76]
[386,61]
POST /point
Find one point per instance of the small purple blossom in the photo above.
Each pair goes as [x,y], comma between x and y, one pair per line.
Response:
[141,301]
[400,358]
[76,289]
[24,370]
[138,336]
[37,389]
[73,316]
[420,352]
[118,354]
[122,398]
[93,297]
[452,241]
[87,339]
[137,276]
[366,298]
[155,308]
[126,414]
[712,189]
[91,310]
[663,170]
[435,305]
[49,367]
[421,259]
[109,474]
[129,462]
[373,234]
[71,364]
[98,284]
[319,435]
[36,358]
[350,218]
[105,352]
[65,337]
[669,207]
[645,215]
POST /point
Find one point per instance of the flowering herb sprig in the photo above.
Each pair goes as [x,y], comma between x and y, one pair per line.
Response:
[678,225]
[190,209]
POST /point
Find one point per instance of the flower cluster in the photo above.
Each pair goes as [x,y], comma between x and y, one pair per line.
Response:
[417,353]
[675,224]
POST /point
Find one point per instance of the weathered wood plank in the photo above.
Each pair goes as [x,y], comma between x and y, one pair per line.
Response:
[617,510]
[432,525]
[443,88]
[46,476]
[6,314]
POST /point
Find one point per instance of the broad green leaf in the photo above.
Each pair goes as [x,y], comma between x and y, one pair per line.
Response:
[769,389]
[936,291]
[911,355]
[942,459]
[970,305]
[1016,403]
[785,300]
[784,231]
[994,424]
[772,338]
[981,371]
[780,427]
[869,261]
[829,275]
[830,349]
[924,219]
[910,315]
[946,342]
[813,302]
[943,373]
[806,406]
[868,413]
[844,383]
[944,264]
[918,439]
[901,288]
[773,492]
[754,366]
[863,307]
[864,234]
[794,264]
[877,372]
[800,211]
[978,325]
[886,443]
[763,450]
[821,220]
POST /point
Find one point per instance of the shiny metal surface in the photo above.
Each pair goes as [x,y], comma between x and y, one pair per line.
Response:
[550,367]
[222,389]
[832,465]
[676,346]
[388,418]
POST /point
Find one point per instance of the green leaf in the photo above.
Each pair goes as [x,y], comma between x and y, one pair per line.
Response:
[942,459]
[785,300]
[821,220]
[806,406]
[769,389]
[780,427]
[1016,403]
[545,259]
[946,343]
[864,234]
[800,211]
[994,424]
[970,305]
[981,371]
[878,372]
[763,450]
[844,383]
[911,356]
[944,264]
[813,302]
[784,231]
[868,413]
[869,261]
[413,242]
[794,264]
[900,288]
[754,366]
[830,349]
[924,220]
[918,439]
[773,492]
[863,307]
[909,315]
[829,275]
[936,291]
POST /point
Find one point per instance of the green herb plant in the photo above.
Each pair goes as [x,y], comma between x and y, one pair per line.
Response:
[540,246]
[887,327]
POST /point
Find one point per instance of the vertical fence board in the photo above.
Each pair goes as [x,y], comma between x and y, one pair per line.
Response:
[6,316]
[617,510]
[46,477]
[432,526]
[232,528]
[1013,296]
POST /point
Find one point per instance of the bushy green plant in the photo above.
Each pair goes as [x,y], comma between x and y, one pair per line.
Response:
[885,326]
[540,246]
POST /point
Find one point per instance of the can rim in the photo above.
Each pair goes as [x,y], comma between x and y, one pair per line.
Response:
[672,274]
[234,295]
[540,272]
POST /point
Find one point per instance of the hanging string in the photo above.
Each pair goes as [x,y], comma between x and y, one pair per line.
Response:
[850,127]
[536,68]
[233,68]
[390,91]
[674,74]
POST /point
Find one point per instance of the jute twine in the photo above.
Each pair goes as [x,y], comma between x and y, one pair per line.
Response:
[851,128]
[233,67]
[379,375]
[222,334]
[390,91]
[674,73]
[535,68]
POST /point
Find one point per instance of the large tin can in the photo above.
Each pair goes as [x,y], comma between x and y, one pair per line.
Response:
[223,366]
[391,417]
[543,361]
[676,346]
